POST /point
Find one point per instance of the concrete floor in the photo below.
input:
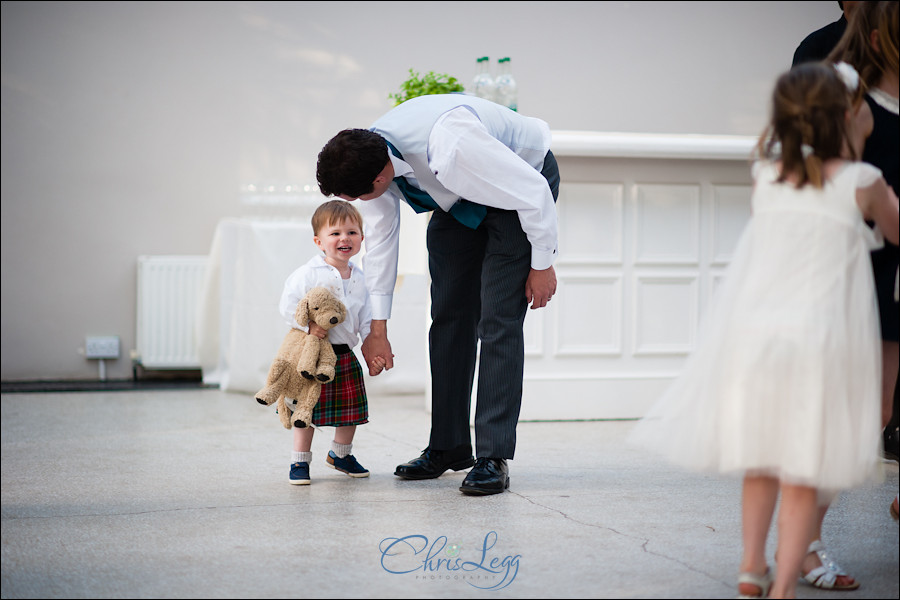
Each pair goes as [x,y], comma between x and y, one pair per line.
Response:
[185,494]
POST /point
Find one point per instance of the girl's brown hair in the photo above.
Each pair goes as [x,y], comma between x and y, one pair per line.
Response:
[809,108]
[855,46]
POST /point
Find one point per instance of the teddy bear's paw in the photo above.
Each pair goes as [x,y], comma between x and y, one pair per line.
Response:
[265,398]
[307,375]
[300,424]
[324,378]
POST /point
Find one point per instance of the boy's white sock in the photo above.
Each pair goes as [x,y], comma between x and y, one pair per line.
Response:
[341,450]
[301,457]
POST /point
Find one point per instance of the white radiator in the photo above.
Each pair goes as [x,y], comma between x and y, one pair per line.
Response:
[168,292]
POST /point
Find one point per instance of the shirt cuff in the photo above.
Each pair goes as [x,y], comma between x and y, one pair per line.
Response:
[381,306]
[542,259]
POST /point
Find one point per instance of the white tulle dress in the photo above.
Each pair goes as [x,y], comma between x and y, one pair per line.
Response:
[786,377]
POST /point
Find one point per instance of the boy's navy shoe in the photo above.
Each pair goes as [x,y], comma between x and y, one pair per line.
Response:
[300,473]
[346,465]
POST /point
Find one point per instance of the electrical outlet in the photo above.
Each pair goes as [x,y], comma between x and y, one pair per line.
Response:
[102,346]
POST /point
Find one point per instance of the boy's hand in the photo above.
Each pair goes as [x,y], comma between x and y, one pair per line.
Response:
[377,365]
[317,331]
[377,344]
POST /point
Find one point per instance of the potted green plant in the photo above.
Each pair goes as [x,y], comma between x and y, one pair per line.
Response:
[422,85]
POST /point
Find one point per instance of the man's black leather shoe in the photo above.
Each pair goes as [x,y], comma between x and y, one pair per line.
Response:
[488,476]
[433,463]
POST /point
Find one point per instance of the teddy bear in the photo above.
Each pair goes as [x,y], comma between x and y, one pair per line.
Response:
[303,362]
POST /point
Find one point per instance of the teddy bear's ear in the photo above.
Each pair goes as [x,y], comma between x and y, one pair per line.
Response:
[302,314]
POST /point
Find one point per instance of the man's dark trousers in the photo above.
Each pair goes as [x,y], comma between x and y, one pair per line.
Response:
[478,292]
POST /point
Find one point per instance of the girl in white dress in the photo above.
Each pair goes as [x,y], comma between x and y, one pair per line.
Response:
[783,386]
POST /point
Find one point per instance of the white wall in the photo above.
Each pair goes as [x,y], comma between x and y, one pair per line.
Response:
[131,128]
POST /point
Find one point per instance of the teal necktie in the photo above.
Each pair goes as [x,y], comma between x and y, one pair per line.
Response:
[467,213]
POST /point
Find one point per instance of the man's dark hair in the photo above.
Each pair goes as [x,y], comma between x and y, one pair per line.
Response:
[350,162]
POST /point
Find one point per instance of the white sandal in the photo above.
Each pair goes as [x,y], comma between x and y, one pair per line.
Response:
[825,576]
[763,582]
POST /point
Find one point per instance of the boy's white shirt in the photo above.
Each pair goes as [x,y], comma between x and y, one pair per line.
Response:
[317,272]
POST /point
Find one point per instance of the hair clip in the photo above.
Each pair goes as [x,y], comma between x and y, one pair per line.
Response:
[848,75]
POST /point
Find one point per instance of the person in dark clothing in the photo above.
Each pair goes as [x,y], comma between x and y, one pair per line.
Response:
[818,44]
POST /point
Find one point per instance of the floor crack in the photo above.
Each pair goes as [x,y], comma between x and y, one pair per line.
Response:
[643,541]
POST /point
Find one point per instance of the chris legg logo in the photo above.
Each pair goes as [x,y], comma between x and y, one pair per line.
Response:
[440,560]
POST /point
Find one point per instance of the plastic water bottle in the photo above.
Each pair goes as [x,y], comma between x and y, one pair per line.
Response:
[506,91]
[483,84]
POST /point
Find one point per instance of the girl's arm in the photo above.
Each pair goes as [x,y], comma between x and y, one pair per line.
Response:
[879,203]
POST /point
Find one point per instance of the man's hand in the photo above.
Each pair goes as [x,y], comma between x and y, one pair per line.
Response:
[540,287]
[376,349]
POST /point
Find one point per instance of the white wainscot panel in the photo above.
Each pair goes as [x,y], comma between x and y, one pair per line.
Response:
[667,224]
[666,312]
[590,223]
[589,396]
[717,279]
[534,331]
[588,315]
[731,211]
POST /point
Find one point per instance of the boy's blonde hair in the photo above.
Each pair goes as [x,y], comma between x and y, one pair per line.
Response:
[333,212]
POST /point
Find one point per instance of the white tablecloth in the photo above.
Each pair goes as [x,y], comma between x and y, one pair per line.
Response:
[240,329]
